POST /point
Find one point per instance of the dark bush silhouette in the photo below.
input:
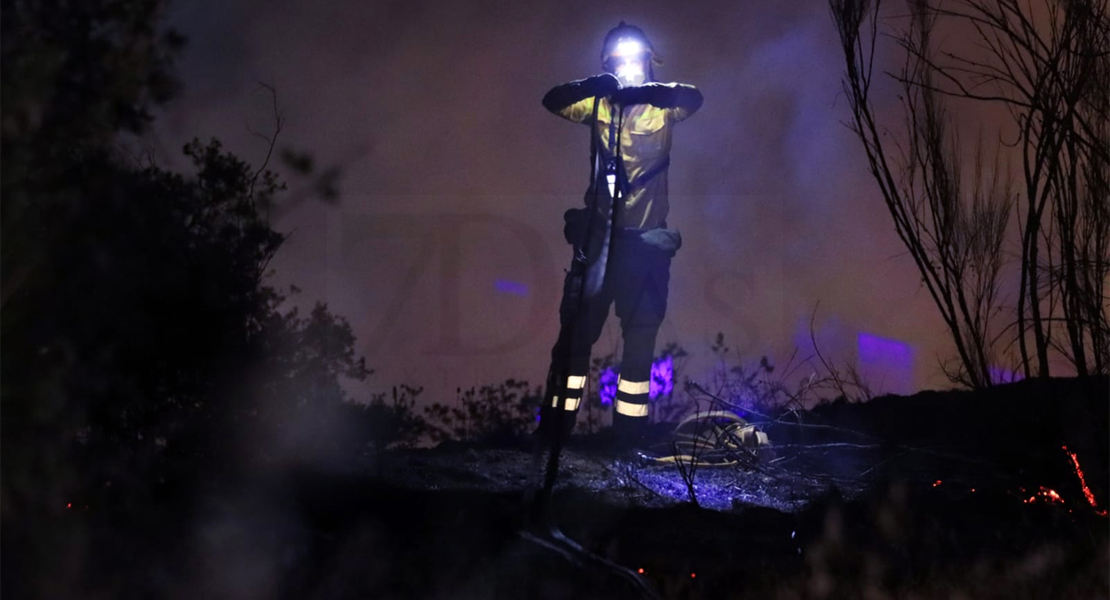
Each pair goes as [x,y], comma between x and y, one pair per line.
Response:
[145,358]
[393,422]
[492,413]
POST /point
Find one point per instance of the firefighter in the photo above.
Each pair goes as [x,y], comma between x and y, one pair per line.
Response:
[632,119]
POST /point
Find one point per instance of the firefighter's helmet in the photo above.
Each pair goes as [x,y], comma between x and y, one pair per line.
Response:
[624,40]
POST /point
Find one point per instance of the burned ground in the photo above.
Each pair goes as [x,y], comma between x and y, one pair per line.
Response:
[925,496]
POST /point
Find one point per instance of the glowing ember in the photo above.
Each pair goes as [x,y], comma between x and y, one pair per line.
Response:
[936,483]
[1083,482]
[1045,495]
[693,575]
[640,570]
[69,505]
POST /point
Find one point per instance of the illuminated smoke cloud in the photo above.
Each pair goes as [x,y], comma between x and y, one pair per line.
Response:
[608,385]
[662,380]
[511,287]
[886,361]
[1000,375]
[662,377]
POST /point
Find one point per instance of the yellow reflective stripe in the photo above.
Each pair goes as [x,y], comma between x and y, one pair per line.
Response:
[633,387]
[576,382]
[572,403]
[631,410]
[578,112]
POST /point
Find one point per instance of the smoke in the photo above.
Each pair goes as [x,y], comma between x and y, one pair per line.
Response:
[432,110]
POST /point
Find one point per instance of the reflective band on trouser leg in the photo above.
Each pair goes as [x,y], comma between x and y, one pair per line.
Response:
[572,403]
[633,387]
[630,409]
[575,385]
[632,398]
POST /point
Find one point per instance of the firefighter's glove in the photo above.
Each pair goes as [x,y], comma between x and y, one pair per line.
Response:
[602,85]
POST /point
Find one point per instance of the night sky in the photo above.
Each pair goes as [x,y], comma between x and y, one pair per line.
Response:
[446,251]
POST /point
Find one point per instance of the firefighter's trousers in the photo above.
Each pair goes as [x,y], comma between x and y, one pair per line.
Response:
[636,280]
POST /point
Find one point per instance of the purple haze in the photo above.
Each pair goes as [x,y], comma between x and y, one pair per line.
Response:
[662,377]
[889,360]
[511,287]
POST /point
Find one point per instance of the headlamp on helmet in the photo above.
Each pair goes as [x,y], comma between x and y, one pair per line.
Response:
[628,62]
[628,54]
[628,47]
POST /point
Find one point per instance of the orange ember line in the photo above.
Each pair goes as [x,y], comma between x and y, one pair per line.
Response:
[1083,481]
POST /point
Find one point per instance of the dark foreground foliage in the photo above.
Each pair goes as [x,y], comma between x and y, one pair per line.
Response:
[447,522]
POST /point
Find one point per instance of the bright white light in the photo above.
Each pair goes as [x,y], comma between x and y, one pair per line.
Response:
[627,62]
[629,70]
[628,48]
[631,74]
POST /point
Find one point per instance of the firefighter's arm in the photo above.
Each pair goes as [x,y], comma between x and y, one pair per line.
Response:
[679,99]
[574,101]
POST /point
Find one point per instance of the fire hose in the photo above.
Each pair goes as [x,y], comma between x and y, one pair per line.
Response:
[715,438]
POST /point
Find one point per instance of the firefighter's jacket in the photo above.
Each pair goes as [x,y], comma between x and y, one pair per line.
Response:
[649,115]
